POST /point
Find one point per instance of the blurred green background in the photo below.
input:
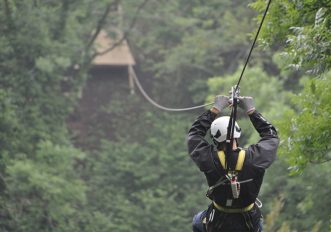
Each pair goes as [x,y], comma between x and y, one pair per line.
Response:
[82,150]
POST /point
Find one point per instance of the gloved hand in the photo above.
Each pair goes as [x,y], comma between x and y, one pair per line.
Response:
[221,102]
[247,104]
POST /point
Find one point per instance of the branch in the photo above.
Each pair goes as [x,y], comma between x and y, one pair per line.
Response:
[319,161]
[36,3]
[201,68]
[100,24]
[125,35]
[58,33]
[10,29]
[3,184]
[8,14]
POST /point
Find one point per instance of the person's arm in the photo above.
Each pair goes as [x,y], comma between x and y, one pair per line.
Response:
[199,149]
[263,153]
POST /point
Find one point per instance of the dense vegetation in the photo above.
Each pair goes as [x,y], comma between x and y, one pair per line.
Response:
[188,51]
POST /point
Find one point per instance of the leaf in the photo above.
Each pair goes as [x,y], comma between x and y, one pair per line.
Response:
[319,17]
[45,64]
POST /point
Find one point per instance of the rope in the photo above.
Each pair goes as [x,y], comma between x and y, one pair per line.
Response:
[150,100]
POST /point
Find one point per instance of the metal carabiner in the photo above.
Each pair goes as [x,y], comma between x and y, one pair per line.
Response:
[234,94]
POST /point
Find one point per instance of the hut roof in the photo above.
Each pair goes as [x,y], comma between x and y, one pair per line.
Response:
[119,56]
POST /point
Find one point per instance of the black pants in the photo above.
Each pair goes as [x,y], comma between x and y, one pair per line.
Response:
[217,221]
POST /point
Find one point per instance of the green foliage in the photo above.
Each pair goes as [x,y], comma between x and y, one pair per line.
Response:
[8,126]
[302,196]
[306,207]
[34,64]
[310,46]
[141,178]
[146,181]
[270,219]
[45,51]
[186,42]
[43,194]
[306,130]
[304,27]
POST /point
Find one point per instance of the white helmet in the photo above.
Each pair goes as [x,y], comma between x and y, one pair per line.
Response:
[219,129]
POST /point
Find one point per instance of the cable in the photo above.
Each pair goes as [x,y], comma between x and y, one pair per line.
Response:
[253,45]
[148,98]
[232,121]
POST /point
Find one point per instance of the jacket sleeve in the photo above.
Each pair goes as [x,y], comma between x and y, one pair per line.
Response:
[262,154]
[200,150]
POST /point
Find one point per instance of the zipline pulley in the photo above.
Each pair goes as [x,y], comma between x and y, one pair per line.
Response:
[234,93]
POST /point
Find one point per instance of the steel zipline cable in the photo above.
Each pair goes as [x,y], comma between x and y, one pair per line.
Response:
[150,100]
[253,45]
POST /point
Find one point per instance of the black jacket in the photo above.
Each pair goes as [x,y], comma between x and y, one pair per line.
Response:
[258,157]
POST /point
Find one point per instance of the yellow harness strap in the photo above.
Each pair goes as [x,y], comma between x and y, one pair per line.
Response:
[240,160]
[221,156]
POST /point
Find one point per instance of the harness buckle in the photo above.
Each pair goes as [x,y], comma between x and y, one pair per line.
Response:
[235,186]
[258,203]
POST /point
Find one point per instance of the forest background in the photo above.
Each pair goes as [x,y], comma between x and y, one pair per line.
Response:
[187,51]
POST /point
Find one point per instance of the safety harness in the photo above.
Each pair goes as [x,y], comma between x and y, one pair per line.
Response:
[230,178]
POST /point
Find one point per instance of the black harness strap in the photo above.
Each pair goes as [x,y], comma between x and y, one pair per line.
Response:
[230,134]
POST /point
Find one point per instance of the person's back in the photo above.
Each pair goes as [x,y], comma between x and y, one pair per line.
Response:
[234,183]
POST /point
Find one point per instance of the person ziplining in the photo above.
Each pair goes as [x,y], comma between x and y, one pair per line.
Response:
[234,175]
[234,179]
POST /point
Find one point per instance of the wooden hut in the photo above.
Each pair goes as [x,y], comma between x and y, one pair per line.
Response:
[112,61]
[109,79]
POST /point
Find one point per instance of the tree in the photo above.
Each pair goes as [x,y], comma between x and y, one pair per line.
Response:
[145,180]
[300,33]
[44,193]
[45,52]
[305,26]
[308,135]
